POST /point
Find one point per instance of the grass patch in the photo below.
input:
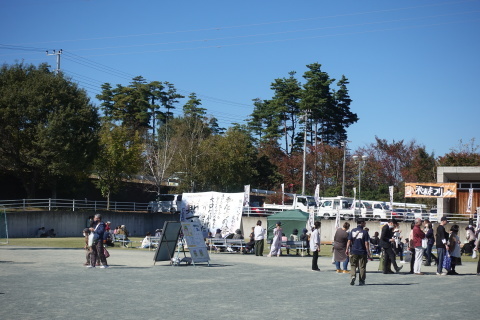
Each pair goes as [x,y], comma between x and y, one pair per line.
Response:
[71,242]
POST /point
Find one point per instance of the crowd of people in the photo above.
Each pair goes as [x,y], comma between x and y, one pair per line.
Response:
[356,247]
[353,247]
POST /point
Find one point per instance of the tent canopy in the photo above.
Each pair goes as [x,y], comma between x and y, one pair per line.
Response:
[290,219]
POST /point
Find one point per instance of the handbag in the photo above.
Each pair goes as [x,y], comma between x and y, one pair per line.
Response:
[106,253]
[474,254]
[447,262]
[424,243]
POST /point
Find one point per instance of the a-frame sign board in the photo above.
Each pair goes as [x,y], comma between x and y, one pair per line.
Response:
[193,235]
[166,247]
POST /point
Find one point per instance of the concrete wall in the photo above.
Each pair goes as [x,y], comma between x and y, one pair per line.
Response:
[327,229]
[70,224]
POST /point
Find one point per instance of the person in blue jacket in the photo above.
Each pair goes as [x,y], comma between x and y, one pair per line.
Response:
[98,230]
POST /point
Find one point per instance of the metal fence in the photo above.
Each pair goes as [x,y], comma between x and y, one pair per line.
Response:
[72,204]
[94,205]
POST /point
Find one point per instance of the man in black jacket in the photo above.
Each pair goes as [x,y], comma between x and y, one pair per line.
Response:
[386,240]
[441,242]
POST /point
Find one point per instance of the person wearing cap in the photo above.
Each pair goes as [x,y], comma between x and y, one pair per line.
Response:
[158,233]
[441,243]
[358,247]
[386,241]
[259,236]
[315,245]
[276,248]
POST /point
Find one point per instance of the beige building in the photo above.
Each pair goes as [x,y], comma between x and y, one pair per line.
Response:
[466,178]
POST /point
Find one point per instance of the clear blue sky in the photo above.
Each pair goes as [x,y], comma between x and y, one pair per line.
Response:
[413,66]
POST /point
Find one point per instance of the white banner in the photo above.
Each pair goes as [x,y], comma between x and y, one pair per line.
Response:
[317,195]
[390,190]
[246,197]
[215,210]
[470,198]
[283,194]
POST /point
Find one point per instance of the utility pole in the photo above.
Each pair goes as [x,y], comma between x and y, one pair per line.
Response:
[56,53]
[344,145]
[305,119]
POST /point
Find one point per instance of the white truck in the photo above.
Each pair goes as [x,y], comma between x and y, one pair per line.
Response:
[304,203]
[363,209]
[381,210]
[331,206]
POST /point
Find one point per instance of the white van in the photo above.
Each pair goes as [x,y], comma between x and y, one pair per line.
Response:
[330,207]
[363,210]
[381,210]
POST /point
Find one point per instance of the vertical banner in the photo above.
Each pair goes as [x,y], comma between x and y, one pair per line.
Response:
[354,197]
[283,193]
[317,195]
[246,197]
[470,199]
[390,190]
[478,219]
[311,220]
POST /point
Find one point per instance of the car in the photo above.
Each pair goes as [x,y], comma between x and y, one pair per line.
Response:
[409,216]
[398,214]
[421,213]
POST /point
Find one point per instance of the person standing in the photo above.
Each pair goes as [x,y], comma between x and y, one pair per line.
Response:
[276,248]
[97,247]
[477,248]
[340,246]
[259,233]
[359,242]
[87,247]
[430,242]
[386,241]
[418,236]
[442,244]
[454,244]
[306,240]
[315,245]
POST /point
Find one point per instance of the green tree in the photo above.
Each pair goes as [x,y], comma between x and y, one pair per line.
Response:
[228,161]
[466,154]
[192,108]
[48,126]
[119,157]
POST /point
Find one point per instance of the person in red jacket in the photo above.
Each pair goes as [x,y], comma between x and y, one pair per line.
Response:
[418,236]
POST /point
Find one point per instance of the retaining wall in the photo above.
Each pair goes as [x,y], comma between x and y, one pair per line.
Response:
[71,223]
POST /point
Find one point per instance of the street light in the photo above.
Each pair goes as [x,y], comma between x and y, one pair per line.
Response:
[344,145]
[361,162]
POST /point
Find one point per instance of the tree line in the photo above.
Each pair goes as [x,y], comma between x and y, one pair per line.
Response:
[53,135]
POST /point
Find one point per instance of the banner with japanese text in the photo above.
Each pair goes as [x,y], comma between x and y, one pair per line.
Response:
[430,190]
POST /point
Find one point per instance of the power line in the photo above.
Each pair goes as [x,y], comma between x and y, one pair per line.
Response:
[257,24]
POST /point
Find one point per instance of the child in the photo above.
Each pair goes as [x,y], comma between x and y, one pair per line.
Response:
[88,249]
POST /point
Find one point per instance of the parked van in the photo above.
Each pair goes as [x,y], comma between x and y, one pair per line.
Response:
[165,203]
[304,203]
[330,206]
[381,210]
[363,210]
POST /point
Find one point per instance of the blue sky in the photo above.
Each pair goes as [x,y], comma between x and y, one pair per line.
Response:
[413,66]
